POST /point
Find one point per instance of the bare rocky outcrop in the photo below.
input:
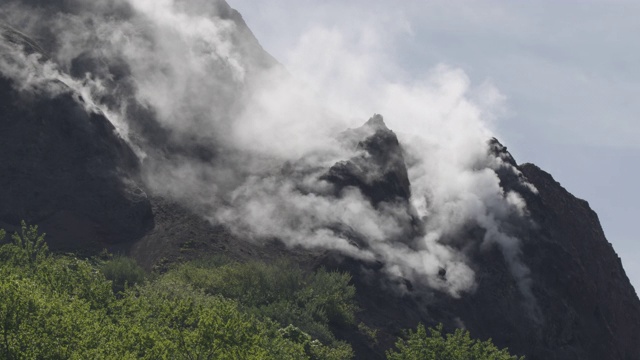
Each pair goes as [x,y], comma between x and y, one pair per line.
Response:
[379,171]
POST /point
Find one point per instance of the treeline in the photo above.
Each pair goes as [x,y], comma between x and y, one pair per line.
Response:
[62,307]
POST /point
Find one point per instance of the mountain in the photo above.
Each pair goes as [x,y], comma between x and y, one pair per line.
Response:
[104,149]
[586,307]
[66,169]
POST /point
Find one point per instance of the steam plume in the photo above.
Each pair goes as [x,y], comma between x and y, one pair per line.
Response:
[221,127]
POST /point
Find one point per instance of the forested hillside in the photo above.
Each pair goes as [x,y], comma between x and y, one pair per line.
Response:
[63,307]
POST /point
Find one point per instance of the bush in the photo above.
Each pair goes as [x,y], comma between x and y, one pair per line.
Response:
[60,307]
[165,319]
[123,272]
[314,348]
[280,291]
[50,305]
[27,246]
[420,345]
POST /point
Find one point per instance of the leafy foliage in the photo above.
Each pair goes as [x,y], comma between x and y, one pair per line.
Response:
[60,307]
[51,306]
[280,291]
[420,345]
[172,320]
[28,245]
[123,272]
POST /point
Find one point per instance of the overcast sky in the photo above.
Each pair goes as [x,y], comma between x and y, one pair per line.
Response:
[568,71]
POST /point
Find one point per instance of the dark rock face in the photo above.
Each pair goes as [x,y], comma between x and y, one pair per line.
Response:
[67,170]
[379,171]
[587,308]
[593,311]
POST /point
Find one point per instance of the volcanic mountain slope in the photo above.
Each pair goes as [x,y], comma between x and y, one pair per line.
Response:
[59,138]
[584,305]
[561,293]
[66,169]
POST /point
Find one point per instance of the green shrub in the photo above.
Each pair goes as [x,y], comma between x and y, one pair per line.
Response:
[165,319]
[434,345]
[50,305]
[123,272]
[37,323]
[371,333]
[314,348]
[27,246]
[280,291]
[61,307]
[330,297]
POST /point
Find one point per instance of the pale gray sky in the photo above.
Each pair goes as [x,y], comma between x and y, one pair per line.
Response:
[568,70]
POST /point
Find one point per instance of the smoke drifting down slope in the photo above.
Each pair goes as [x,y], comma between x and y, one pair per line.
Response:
[224,129]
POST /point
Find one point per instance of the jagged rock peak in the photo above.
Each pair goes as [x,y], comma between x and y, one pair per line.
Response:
[379,171]
[376,122]
[498,150]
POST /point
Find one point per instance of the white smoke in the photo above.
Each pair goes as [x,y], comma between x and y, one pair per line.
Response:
[31,72]
[273,132]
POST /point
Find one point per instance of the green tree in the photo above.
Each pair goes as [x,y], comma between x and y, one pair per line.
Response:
[280,291]
[123,272]
[51,306]
[61,307]
[434,345]
[28,246]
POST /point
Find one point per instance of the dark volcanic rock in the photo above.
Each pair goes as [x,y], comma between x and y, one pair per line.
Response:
[67,170]
[379,171]
[586,306]
[591,308]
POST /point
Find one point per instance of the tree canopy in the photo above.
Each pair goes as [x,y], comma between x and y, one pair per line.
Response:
[435,345]
[63,307]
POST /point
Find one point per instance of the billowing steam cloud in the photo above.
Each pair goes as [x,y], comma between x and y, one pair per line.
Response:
[223,128]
